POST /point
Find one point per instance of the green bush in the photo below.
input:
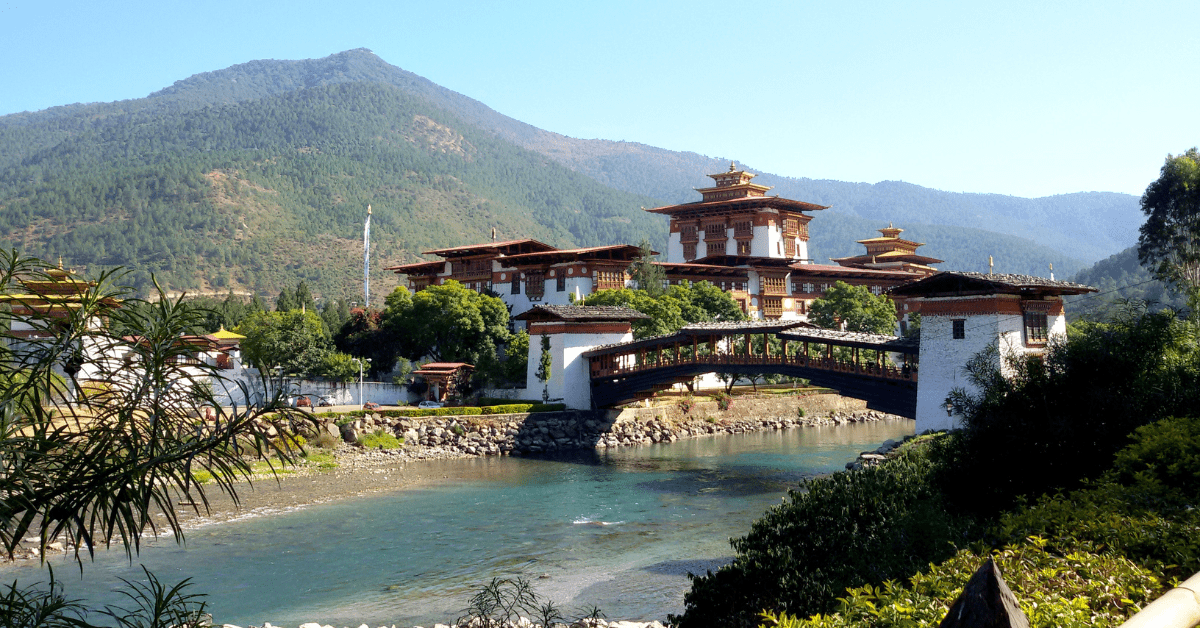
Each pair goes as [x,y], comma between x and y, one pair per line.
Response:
[380,439]
[839,531]
[1166,452]
[1077,589]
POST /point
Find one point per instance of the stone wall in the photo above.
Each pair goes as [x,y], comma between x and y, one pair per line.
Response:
[517,434]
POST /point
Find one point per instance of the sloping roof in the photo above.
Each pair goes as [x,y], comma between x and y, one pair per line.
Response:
[687,333]
[829,269]
[961,283]
[443,366]
[491,247]
[862,340]
[580,313]
[735,204]
[622,252]
[419,268]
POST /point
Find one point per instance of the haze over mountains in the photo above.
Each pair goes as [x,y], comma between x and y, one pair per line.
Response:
[257,175]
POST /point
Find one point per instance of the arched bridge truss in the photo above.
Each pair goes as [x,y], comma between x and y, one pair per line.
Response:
[880,369]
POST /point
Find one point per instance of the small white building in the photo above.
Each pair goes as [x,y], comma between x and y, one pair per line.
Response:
[571,330]
[964,313]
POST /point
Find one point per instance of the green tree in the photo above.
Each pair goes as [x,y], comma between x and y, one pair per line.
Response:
[665,314]
[448,323]
[855,308]
[516,358]
[303,297]
[648,275]
[363,335]
[286,301]
[294,340]
[1170,239]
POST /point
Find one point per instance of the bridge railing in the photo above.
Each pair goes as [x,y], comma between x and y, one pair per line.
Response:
[726,361]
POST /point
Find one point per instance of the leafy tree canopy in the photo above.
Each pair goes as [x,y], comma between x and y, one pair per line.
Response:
[856,308]
[672,309]
[448,323]
[1170,239]
[295,340]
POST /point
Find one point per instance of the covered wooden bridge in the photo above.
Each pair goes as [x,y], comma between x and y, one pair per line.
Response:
[880,369]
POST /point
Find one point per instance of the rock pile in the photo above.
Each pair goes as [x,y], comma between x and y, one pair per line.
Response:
[517,434]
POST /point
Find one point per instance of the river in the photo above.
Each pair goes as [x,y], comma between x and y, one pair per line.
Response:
[618,529]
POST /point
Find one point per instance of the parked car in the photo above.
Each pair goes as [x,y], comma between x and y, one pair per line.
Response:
[303,402]
[370,405]
[324,403]
[430,404]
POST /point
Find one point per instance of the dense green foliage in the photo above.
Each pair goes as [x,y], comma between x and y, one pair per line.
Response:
[673,308]
[854,308]
[510,408]
[835,532]
[1061,418]
[1033,437]
[449,323]
[120,479]
[1087,557]
[1169,243]
[1064,590]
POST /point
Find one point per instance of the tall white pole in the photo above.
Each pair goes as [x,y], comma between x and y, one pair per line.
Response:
[367,260]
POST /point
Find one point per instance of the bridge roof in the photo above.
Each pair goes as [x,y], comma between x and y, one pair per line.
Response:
[699,330]
[861,340]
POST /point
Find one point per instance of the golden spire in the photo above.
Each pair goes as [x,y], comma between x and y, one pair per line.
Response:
[732,167]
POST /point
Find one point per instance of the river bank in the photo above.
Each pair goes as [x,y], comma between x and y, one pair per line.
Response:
[360,471]
[619,528]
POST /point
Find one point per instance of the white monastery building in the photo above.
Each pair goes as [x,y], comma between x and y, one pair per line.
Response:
[964,313]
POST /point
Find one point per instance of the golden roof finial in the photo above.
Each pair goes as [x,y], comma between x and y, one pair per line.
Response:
[60,262]
[732,167]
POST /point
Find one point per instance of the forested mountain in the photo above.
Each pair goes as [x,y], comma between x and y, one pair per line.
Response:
[258,175]
[256,193]
[1119,278]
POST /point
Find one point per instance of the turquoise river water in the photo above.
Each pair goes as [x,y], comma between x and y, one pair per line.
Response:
[619,529]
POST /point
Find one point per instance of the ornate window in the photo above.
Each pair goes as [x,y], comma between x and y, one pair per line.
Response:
[743,247]
[772,307]
[714,248]
[772,285]
[743,229]
[610,279]
[1036,328]
[789,247]
[715,231]
[959,329]
[516,284]
[687,233]
[535,285]
[562,282]
[689,251]
[791,226]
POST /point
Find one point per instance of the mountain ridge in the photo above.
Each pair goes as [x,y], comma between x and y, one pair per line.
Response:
[655,175]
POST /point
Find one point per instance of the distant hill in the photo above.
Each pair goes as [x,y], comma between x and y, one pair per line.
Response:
[256,193]
[249,176]
[1119,278]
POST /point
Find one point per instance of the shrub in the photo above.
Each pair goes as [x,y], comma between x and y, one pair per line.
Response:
[1074,589]
[380,439]
[1166,452]
[325,440]
[800,413]
[685,404]
[724,400]
[839,531]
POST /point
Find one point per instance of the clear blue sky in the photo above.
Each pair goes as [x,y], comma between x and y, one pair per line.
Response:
[1014,97]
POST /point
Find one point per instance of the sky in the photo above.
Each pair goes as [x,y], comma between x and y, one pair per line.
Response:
[1023,98]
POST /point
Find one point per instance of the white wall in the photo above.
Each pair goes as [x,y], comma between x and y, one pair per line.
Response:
[943,358]
[675,249]
[570,379]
